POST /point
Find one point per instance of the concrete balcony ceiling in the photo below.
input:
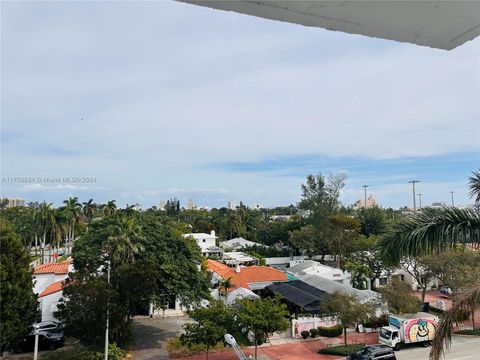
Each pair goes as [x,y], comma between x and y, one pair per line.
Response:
[437,24]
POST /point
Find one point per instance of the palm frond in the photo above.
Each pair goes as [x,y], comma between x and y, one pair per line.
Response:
[431,231]
[466,301]
[474,186]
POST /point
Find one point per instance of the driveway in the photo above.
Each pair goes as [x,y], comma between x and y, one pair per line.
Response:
[150,336]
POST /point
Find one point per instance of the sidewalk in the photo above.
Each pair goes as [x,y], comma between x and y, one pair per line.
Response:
[293,349]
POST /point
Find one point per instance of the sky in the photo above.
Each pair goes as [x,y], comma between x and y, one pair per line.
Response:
[144,101]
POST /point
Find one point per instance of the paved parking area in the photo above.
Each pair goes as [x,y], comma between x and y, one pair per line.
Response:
[150,336]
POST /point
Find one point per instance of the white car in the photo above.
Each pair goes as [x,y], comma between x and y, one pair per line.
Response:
[446,290]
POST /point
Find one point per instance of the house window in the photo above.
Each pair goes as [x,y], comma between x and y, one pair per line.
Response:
[203,240]
[383,281]
[402,277]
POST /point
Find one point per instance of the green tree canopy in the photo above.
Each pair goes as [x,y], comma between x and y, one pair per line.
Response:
[210,326]
[261,318]
[400,297]
[347,309]
[18,303]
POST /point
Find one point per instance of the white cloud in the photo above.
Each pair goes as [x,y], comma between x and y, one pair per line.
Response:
[143,96]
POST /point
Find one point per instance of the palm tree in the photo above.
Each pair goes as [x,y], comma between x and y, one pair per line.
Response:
[129,210]
[89,208]
[109,208]
[432,231]
[45,217]
[225,284]
[474,182]
[124,245]
[73,209]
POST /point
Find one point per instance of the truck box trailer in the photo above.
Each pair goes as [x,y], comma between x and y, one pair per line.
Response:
[408,329]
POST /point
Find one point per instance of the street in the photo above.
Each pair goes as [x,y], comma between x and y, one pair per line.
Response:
[462,348]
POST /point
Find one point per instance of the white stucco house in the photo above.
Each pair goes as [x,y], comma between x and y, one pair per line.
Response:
[48,282]
[207,243]
[239,243]
[310,267]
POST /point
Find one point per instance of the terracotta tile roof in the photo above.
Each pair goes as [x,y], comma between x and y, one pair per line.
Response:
[52,288]
[247,274]
[217,267]
[52,268]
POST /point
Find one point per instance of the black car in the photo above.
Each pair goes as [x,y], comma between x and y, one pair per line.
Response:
[374,352]
[47,339]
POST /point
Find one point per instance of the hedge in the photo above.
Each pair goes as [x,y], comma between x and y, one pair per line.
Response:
[342,350]
[331,331]
[475,332]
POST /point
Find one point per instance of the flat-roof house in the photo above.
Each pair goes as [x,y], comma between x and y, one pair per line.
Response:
[206,242]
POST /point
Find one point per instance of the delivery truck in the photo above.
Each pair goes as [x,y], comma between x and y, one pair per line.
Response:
[408,329]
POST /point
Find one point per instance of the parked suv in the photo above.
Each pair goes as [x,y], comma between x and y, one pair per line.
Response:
[374,352]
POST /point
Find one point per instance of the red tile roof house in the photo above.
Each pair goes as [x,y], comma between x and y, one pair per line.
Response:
[48,284]
[254,278]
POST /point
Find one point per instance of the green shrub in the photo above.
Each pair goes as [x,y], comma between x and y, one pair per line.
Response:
[342,350]
[331,331]
[305,334]
[376,322]
[314,332]
[114,353]
[475,332]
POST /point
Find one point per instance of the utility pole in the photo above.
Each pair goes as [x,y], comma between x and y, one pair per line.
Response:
[365,193]
[413,182]
[453,202]
[35,348]
[419,200]
[106,328]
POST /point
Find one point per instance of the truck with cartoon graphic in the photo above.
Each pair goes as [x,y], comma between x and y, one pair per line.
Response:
[408,329]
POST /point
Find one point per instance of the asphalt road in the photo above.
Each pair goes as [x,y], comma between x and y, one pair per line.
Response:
[462,348]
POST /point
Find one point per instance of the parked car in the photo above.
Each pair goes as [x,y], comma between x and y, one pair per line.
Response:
[47,339]
[374,352]
[445,290]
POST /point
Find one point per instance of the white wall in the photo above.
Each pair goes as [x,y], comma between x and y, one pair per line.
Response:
[48,305]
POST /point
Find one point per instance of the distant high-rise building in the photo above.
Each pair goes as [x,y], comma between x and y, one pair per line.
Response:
[162,205]
[233,204]
[13,202]
[371,202]
[190,205]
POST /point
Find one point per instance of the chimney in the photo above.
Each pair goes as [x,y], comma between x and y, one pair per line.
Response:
[237,269]
[212,232]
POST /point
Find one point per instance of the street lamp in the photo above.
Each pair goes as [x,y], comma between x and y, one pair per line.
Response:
[365,195]
[453,202]
[106,328]
[413,182]
[35,348]
[419,200]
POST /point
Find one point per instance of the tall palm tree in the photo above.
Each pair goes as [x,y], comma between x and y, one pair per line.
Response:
[89,208]
[74,210]
[432,231]
[109,208]
[45,217]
